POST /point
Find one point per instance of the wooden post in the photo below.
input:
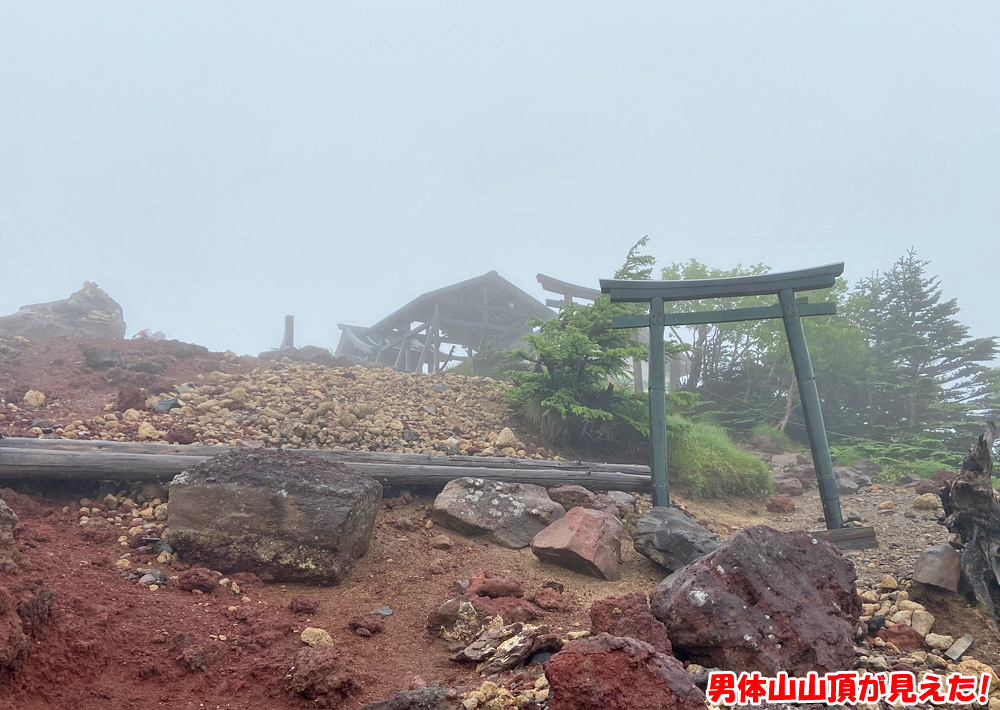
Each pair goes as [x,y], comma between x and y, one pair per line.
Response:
[811,410]
[288,340]
[658,404]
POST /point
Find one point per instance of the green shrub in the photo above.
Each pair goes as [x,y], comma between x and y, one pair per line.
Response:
[914,455]
[708,465]
[566,393]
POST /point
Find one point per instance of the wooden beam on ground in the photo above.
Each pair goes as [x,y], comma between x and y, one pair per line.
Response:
[342,455]
[848,538]
[55,465]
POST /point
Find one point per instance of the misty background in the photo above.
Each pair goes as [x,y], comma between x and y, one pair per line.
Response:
[214,166]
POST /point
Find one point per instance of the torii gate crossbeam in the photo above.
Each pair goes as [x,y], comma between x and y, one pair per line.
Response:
[789,309]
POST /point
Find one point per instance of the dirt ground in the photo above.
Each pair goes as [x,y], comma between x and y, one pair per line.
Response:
[112,643]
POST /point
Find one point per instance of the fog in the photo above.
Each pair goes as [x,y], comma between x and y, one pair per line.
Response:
[214,166]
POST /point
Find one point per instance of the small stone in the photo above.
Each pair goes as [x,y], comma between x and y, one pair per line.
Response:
[922,622]
[147,431]
[504,439]
[888,582]
[441,542]
[939,641]
[926,501]
[303,605]
[959,647]
[123,564]
[886,505]
[153,587]
[383,611]
[316,636]
[34,398]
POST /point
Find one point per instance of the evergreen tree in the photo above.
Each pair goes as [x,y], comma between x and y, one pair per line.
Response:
[931,377]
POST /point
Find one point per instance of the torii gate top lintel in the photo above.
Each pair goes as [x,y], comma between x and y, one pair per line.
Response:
[625,290]
[789,309]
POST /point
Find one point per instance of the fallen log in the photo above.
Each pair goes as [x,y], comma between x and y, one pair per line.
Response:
[972,511]
[55,465]
[343,455]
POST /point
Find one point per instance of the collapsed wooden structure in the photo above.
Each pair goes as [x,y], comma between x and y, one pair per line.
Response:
[24,459]
[467,315]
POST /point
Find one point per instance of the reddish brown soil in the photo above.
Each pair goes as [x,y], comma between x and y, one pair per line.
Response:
[112,643]
[73,391]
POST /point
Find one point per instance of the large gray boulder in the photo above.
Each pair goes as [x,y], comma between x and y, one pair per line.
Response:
[671,539]
[280,515]
[88,313]
[509,514]
[850,480]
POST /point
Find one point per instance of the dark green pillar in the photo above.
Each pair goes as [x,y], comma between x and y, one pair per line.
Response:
[811,410]
[658,404]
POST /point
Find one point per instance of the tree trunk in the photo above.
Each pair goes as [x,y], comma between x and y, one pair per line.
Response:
[971,511]
[697,360]
[789,405]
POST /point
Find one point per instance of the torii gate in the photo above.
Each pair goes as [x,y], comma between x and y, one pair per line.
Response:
[789,309]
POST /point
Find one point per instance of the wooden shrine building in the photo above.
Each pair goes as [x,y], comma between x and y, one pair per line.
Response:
[423,335]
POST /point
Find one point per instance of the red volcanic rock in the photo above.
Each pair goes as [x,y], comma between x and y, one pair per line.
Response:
[615,673]
[489,584]
[629,616]
[781,503]
[553,600]
[765,601]
[588,541]
[200,578]
[905,638]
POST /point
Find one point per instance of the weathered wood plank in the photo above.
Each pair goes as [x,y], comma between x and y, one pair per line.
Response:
[103,465]
[849,538]
[344,455]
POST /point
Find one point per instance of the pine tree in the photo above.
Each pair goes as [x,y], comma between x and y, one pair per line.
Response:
[931,376]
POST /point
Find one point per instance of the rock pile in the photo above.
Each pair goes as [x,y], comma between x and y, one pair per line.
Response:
[88,313]
[288,405]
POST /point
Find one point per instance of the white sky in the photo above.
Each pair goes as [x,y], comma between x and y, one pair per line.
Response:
[214,166]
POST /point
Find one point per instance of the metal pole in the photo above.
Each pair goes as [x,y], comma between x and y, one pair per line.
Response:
[658,404]
[811,410]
